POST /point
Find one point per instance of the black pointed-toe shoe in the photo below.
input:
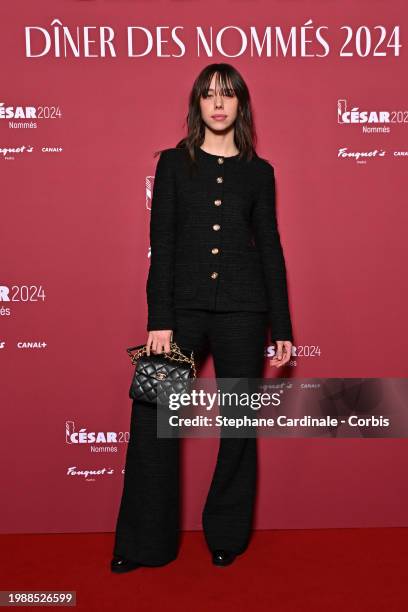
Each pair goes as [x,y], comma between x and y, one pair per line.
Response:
[223,557]
[119,565]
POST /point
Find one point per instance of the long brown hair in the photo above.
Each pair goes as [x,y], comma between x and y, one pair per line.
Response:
[227,78]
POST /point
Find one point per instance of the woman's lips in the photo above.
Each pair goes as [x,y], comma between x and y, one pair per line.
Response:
[219,117]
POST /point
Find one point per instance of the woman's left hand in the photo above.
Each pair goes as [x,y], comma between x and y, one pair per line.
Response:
[283,353]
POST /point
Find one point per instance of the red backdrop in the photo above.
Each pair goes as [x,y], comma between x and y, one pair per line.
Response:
[75,253]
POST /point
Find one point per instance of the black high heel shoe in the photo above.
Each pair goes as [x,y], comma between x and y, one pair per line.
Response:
[119,565]
[223,557]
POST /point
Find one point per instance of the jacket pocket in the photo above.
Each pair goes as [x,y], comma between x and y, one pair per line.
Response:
[246,282]
[185,281]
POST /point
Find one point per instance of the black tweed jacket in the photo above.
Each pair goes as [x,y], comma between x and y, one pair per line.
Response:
[214,240]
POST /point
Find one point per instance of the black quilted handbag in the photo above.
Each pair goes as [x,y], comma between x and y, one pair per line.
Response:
[158,375]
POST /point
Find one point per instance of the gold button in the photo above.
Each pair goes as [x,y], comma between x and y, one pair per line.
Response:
[216,227]
[214,274]
[219,179]
[217,202]
[214,251]
[220,160]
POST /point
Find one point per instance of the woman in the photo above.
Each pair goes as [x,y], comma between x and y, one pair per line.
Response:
[217,278]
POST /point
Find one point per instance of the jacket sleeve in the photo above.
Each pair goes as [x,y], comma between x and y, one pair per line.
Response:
[268,241]
[159,286]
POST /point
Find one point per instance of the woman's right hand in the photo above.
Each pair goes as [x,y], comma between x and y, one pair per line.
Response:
[158,340]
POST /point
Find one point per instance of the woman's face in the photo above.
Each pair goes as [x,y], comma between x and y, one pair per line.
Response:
[218,109]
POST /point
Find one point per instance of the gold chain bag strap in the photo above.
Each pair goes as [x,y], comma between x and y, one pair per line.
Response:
[156,376]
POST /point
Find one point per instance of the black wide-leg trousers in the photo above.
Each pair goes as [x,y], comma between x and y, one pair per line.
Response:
[147,529]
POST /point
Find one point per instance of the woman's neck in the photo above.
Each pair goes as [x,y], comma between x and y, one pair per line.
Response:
[223,145]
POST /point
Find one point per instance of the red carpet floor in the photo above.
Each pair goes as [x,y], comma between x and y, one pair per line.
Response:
[290,570]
